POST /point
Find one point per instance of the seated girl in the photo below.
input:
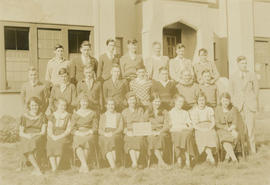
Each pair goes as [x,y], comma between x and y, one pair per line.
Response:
[133,144]
[188,88]
[85,126]
[226,123]
[181,132]
[157,141]
[32,128]
[110,129]
[204,124]
[59,127]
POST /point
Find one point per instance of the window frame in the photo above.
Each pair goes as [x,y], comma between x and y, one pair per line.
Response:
[33,45]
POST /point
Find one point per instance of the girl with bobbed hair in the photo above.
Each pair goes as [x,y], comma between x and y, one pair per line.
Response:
[31,131]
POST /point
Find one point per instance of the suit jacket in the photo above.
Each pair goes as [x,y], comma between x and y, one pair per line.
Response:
[105,66]
[94,94]
[244,90]
[78,67]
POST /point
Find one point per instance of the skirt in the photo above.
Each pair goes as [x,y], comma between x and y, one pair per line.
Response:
[157,142]
[31,145]
[226,136]
[56,148]
[108,144]
[134,143]
[184,140]
[206,139]
[86,142]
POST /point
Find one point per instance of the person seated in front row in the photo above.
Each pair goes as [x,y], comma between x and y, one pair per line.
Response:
[203,120]
[181,128]
[205,64]
[32,128]
[59,128]
[65,90]
[226,117]
[110,130]
[188,88]
[165,87]
[157,141]
[133,144]
[84,130]
[130,60]
[92,88]
[209,89]
[116,88]
[141,86]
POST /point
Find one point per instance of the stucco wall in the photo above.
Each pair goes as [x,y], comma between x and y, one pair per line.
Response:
[48,11]
[262,19]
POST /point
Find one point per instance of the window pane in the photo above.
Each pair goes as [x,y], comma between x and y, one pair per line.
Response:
[75,38]
[22,40]
[10,38]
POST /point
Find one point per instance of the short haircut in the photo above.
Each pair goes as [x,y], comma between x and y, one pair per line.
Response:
[139,67]
[32,69]
[34,99]
[163,68]
[205,71]
[62,71]
[132,41]
[156,43]
[115,65]
[110,99]
[202,50]
[225,95]
[200,94]
[154,95]
[178,95]
[57,46]
[240,58]
[180,45]
[85,43]
[109,40]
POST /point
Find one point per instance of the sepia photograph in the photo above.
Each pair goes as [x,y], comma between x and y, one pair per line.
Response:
[134,92]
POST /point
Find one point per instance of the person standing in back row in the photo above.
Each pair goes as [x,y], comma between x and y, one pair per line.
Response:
[83,60]
[130,61]
[106,61]
[179,63]
[244,91]
[155,62]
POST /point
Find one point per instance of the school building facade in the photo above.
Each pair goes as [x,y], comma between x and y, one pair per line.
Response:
[226,28]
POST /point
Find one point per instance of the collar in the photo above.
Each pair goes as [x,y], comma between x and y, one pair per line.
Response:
[29,116]
[164,83]
[83,113]
[59,115]
[59,61]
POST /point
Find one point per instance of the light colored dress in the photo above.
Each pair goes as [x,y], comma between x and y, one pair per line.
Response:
[60,123]
[203,118]
[181,131]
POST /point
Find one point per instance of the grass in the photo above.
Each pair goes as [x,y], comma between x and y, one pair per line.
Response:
[252,171]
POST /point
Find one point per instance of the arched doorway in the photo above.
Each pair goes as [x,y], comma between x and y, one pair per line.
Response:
[179,33]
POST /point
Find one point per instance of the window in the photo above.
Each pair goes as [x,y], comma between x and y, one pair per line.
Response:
[119,46]
[16,38]
[75,38]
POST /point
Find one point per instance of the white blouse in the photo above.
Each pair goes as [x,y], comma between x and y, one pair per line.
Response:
[179,120]
[111,121]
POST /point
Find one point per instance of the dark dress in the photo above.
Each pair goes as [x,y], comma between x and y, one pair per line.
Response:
[83,124]
[223,121]
[134,142]
[60,124]
[108,144]
[159,124]
[32,125]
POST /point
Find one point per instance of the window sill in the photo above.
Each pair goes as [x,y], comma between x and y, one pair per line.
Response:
[9,91]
